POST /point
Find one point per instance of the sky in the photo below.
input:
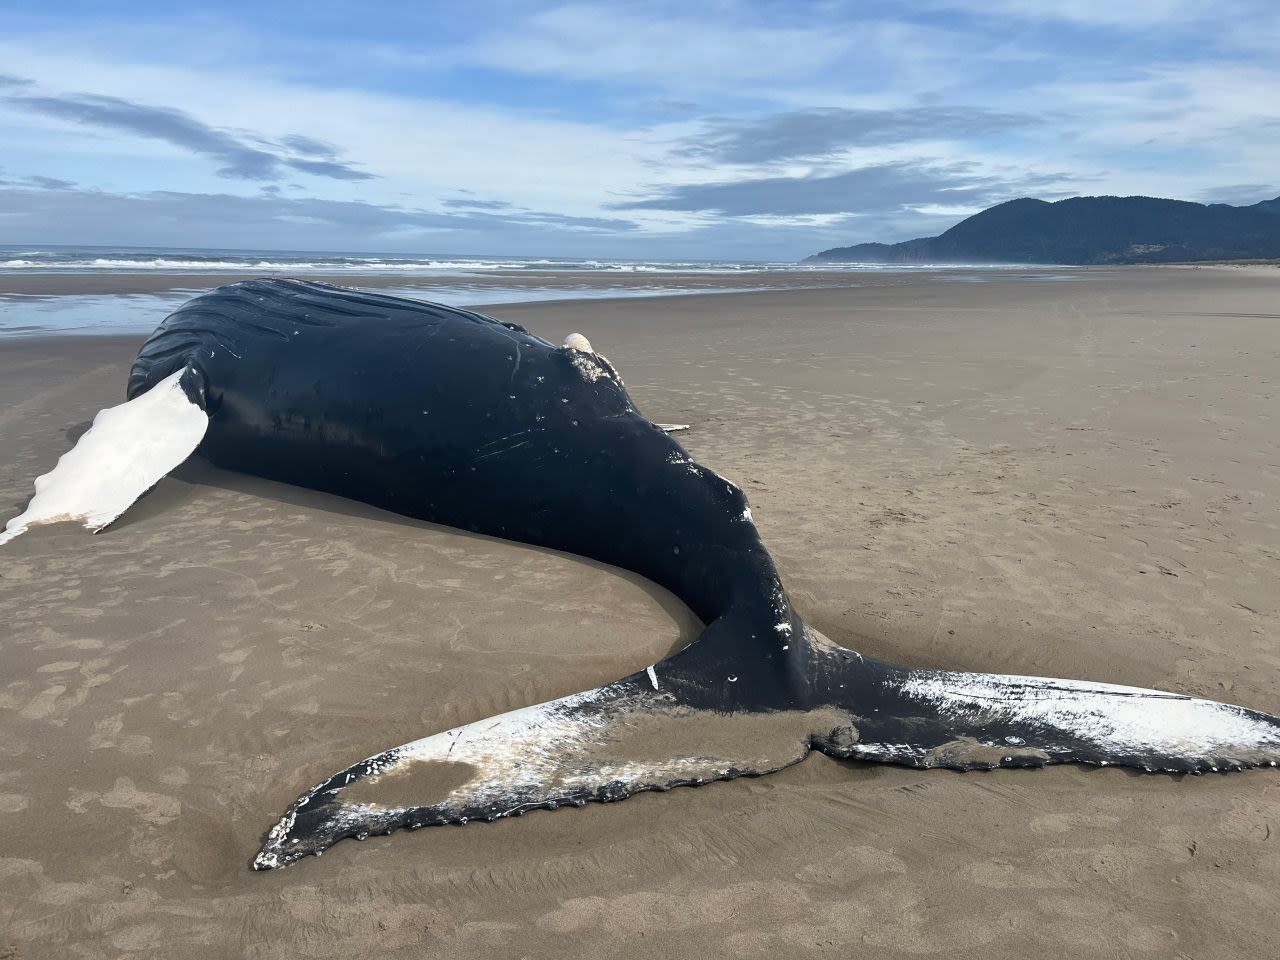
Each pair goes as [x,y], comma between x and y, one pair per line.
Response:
[726,129]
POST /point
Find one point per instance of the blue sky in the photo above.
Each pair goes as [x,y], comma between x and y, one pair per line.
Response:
[723,129]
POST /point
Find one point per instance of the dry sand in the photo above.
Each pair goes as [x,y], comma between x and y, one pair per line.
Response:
[1069,478]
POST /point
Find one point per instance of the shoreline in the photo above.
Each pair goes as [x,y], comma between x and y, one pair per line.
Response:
[100,305]
[60,284]
[74,284]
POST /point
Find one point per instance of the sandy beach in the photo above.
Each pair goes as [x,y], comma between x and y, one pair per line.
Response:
[1071,478]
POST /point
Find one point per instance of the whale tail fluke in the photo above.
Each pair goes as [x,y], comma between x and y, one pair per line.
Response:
[124,454]
[970,721]
[670,726]
[602,745]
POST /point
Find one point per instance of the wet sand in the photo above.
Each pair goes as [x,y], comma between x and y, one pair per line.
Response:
[1064,478]
[60,284]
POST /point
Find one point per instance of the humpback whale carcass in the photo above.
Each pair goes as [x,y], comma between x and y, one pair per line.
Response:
[459,419]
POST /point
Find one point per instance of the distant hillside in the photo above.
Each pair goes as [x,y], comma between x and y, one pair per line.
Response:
[1270,206]
[1089,230]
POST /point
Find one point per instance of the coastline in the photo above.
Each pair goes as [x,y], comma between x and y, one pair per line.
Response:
[44,303]
[1066,479]
[51,283]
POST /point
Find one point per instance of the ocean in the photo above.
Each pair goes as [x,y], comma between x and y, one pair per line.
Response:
[30,259]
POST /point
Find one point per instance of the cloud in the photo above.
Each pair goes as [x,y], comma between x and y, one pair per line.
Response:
[1091,13]
[679,107]
[566,220]
[464,203]
[221,219]
[631,42]
[80,217]
[873,189]
[50,183]
[239,159]
[309,146]
[823,132]
[334,169]
[160,123]
[39,182]
[9,80]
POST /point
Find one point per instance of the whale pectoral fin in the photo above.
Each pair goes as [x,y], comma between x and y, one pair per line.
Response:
[124,454]
[602,745]
[966,721]
[672,427]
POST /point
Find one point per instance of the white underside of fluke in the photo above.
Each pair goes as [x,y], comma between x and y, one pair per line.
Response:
[124,454]
[1117,719]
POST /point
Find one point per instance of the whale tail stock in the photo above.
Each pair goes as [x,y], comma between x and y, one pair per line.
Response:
[124,454]
[689,720]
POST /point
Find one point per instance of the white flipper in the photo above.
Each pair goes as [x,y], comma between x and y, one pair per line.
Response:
[124,454]
[672,427]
